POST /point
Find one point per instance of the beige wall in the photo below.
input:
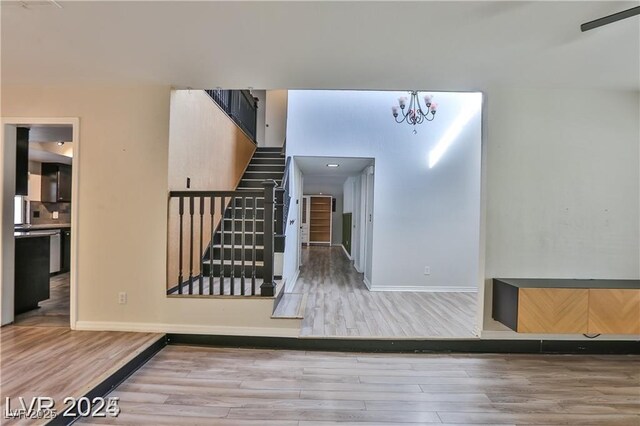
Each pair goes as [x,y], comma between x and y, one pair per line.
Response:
[122,166]
[206,146]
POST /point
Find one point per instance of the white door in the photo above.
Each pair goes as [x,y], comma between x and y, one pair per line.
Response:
[368,226]
[305,216]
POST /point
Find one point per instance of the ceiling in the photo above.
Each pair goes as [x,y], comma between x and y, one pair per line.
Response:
[317,166]
[325,45]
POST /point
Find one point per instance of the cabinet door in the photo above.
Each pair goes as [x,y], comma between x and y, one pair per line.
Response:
[553,310]
[49,183]
[614,311]
[64,183]
[22,161]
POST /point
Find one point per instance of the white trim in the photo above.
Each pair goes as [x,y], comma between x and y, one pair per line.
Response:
[75,190]
[142,327]
[366,282]
[294,280]
[346,253]
[425,289]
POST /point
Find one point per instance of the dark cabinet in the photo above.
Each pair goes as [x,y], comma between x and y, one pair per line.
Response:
[31,272]
[56,183]
[22,161]
[65,251]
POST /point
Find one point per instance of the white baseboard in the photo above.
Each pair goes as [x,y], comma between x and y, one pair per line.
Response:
[294,280]
[187,329]
[366,282]
[426,289]
[346,253]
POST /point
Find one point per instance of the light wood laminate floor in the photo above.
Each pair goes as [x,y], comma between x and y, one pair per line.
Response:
[53,312]
[210,386]
[58,362]
[338,304]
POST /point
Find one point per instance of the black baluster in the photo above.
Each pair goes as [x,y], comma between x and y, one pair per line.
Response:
[181,214]
[221,246]
[244,216]
[191,209]
[233,245]
[213,228]
[253,256]
[201,277]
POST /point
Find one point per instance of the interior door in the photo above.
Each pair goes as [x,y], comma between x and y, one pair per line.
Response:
[305,219]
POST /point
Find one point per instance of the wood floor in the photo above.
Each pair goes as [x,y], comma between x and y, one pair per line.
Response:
[58,362]
[53,312]
[339,304]
[209,386]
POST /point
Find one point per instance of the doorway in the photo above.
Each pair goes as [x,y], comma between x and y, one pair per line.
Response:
[38,215]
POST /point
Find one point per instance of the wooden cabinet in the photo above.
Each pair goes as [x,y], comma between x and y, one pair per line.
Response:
[614,311]
[320,219]
[568,306]
[56,183]
[22,161]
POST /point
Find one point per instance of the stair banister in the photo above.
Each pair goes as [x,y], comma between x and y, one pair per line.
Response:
[268,287]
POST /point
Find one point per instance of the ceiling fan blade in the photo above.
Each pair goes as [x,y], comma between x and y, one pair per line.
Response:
[610,19]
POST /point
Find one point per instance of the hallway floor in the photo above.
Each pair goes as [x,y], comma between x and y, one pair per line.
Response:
[339,304]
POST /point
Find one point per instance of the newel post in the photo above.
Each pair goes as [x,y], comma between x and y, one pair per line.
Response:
[268,287]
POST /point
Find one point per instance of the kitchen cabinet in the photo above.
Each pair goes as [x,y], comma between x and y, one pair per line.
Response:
[56,183]
[22,161]
[31,270]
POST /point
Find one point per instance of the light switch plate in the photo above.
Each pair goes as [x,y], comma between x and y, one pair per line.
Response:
[56,215]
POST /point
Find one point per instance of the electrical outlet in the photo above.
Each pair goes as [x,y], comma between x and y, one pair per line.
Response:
[427,270]
[56,215]
[122,298]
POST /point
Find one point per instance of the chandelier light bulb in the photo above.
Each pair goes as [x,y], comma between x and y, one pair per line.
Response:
[412,111]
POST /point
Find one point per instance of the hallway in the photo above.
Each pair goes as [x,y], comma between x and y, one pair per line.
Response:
[339,304]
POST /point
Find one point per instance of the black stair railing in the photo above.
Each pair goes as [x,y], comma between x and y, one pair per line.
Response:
[241,106]
[219,239]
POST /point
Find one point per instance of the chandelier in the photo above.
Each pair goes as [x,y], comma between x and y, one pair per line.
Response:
[413,113]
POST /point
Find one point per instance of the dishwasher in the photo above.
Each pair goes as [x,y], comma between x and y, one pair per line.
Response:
[54,259]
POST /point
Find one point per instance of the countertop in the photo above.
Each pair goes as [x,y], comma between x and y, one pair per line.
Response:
[33,234]
[568,283]
[29,227]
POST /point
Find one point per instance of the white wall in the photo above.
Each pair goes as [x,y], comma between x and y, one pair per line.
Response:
[563,184]
[276,117]
[423,216]
[292,246]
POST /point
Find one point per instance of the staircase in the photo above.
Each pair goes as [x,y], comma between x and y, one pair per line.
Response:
[228,245]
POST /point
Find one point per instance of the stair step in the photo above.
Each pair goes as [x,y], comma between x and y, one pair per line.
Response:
[237,250]
[248,213]
[237,238]
[268,161]
[255,183]
[266,168]
[248,225]
[269,149]
[267,154]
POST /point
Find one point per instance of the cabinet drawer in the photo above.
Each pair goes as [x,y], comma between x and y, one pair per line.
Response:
[553,310]
[614,311]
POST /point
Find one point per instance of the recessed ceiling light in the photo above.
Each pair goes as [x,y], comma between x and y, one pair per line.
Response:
[333,165]
[60,143]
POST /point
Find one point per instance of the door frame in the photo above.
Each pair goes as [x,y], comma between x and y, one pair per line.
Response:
[7,183]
